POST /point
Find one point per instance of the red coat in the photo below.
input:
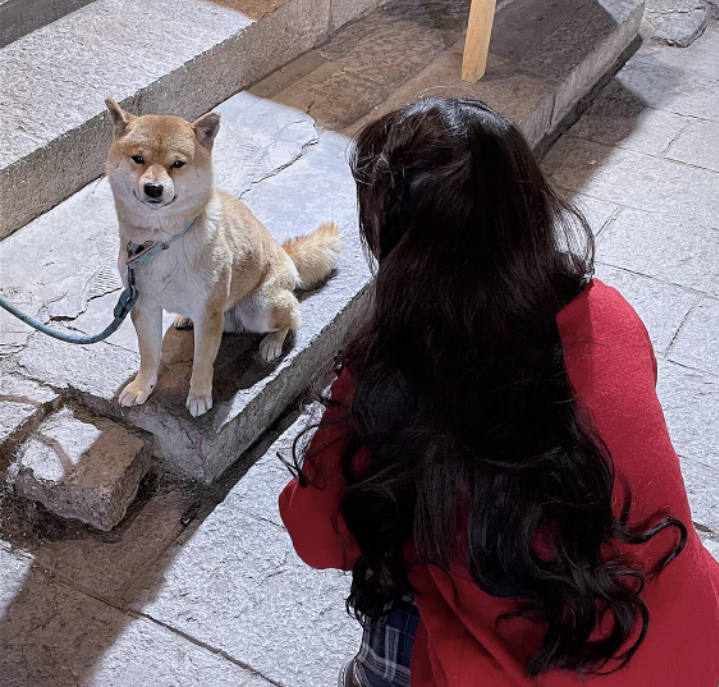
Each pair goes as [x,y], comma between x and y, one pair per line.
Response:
[611,364]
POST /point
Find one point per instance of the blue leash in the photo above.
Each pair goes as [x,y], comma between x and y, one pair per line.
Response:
[137,255]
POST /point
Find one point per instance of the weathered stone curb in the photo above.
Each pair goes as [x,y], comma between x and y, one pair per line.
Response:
[82,467]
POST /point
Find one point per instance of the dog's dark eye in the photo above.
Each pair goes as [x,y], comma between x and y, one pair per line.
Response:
[178,163]
[138,159]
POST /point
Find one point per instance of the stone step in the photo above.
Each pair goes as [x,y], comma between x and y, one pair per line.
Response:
[176,56]
[20,17]
[82,467]
[282,148]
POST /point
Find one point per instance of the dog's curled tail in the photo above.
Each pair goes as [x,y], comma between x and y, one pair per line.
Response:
[315,255]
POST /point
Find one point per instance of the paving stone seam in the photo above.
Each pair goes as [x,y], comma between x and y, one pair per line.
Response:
[688,289]
[609,221]
[139,615]
[686,317]
[713,375]
[616,146]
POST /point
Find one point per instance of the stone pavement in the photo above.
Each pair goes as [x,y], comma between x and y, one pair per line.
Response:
[199,585]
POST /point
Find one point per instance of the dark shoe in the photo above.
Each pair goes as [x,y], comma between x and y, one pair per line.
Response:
[348,675]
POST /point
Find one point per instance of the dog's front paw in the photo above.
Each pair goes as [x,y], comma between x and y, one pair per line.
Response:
[182,322]
[198,404]
[135,393]
[271,347]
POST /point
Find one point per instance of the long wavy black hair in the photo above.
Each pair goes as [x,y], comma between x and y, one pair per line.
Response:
[478,446]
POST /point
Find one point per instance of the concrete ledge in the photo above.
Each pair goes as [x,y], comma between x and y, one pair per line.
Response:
[20,17]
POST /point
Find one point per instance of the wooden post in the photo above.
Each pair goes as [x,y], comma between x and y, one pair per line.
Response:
[476,47]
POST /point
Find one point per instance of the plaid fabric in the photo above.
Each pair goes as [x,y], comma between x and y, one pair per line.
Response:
[384,657]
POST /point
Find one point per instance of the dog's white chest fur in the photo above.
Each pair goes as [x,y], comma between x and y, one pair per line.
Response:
[176,279]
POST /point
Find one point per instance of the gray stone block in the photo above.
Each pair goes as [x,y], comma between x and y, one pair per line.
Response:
[80,467]
[584,48]
[54,636]
[662,307]
[236,584]
[620,118]
[678,22]
[697,145]
[673,193]
[23,405]
[218,46]
[20,17]
[697,345]
[662,246]
[690,399]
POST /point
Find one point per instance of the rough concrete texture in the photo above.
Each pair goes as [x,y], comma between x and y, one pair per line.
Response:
[270,152]
[81,467]
[677,22]
[235,583]
[20,17]
[176,56]
[52,635]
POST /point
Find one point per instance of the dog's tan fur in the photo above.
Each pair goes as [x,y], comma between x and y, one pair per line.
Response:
[226,274]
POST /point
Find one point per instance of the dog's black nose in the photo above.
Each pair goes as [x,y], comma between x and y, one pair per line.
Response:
[153,190]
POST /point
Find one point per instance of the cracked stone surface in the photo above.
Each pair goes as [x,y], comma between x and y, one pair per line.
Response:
[82,467]
[52,635]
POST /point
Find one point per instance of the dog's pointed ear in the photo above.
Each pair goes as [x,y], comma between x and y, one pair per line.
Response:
[120,118]
[206,128]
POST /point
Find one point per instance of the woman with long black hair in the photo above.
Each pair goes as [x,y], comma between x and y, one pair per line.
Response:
[493,465]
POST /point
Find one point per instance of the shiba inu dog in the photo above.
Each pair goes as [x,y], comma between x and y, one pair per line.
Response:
[224,273]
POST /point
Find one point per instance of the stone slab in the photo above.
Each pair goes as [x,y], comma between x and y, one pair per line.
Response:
[523,98]
[662,246]
[678,22]
[54,636]
[663,307]
[697,145]
[674,191]
[23,405]
[218,585]
[20,17]
[53,85]
[620,118]
[690,399]
[697,345]
[584,49]
[81,467]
